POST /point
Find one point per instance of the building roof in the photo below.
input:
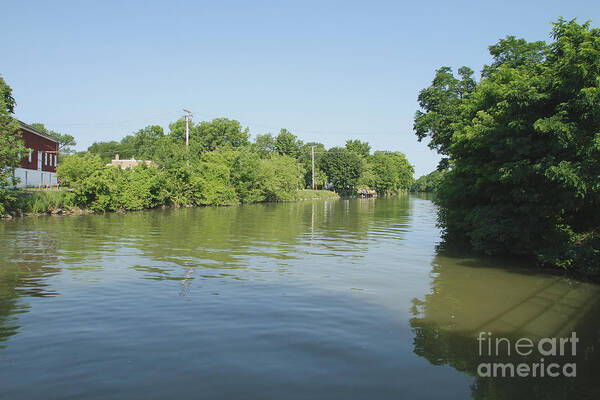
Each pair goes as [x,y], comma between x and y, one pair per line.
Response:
[31,129]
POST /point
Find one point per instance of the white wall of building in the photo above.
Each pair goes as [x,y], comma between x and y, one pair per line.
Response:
[32,177]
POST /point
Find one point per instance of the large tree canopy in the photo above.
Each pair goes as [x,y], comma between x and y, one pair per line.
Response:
[392,171]
[287,143]
[11,144]
[343,168]
[523,145]
[221,132]
[358,147]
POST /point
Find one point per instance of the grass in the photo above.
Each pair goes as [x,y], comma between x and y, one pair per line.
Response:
[308,194]
[46,201]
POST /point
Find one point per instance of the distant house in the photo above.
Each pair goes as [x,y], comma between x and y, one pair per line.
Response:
[38,166]
[124,164]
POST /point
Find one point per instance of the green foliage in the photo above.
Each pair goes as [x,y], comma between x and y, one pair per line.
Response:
[279,178]
[100,190]
[523,146]
[78,167]
[368,178]
[343,168]
[139,188]
[308,194]
[440,102]
[7,101]
[264,145]
[428,183]
[358,147]
[170,154]
[107,150]
[47,201]
[392,172]
[145,141]
[287,143]
[220,132]
[245,177]
[142,145]
[11,146]
[219,167]
[213,179]
[40,202]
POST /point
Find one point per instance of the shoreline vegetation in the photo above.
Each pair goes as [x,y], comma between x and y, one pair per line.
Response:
[62,202]
[196,164]
[520,150]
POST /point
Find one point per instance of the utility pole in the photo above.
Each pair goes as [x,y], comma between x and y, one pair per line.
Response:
[312,156]
[188,116]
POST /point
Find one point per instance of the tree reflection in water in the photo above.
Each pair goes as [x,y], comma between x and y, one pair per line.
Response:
[469,296]
[32,262]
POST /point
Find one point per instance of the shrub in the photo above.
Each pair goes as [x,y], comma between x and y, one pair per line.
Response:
[279,178]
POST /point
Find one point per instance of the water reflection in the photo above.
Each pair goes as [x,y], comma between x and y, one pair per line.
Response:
[469,296]
[25,265]
[248,242]
[319,292]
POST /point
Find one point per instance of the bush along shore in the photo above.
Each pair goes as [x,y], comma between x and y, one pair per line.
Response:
[63,202]
[225,176]
[214,178]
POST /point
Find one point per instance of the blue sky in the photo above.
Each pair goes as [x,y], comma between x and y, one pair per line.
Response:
[326,70]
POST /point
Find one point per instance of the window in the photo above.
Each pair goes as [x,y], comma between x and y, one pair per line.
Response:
[55,158]
[29,157]
[45,158]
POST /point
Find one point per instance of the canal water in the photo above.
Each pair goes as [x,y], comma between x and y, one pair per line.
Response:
[345,299]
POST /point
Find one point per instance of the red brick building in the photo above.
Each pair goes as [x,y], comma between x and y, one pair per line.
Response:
[38,167]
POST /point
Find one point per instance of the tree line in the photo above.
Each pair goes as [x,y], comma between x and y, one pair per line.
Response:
[521,149]
[222,165]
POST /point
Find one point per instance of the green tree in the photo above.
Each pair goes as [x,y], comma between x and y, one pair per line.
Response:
[279,178]
[428,183]
[169,153]
[213,179]
[245,175]
[145,141]
[77,167]
[392,171]
[524,149]
[358,147]
[264,145]
[287,143]
[220,132]
[106,150]
[11,146]
[368,178]
[439,104]
[343,168]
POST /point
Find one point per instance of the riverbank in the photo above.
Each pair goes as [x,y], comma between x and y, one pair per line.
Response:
[308,194]
[63,202]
